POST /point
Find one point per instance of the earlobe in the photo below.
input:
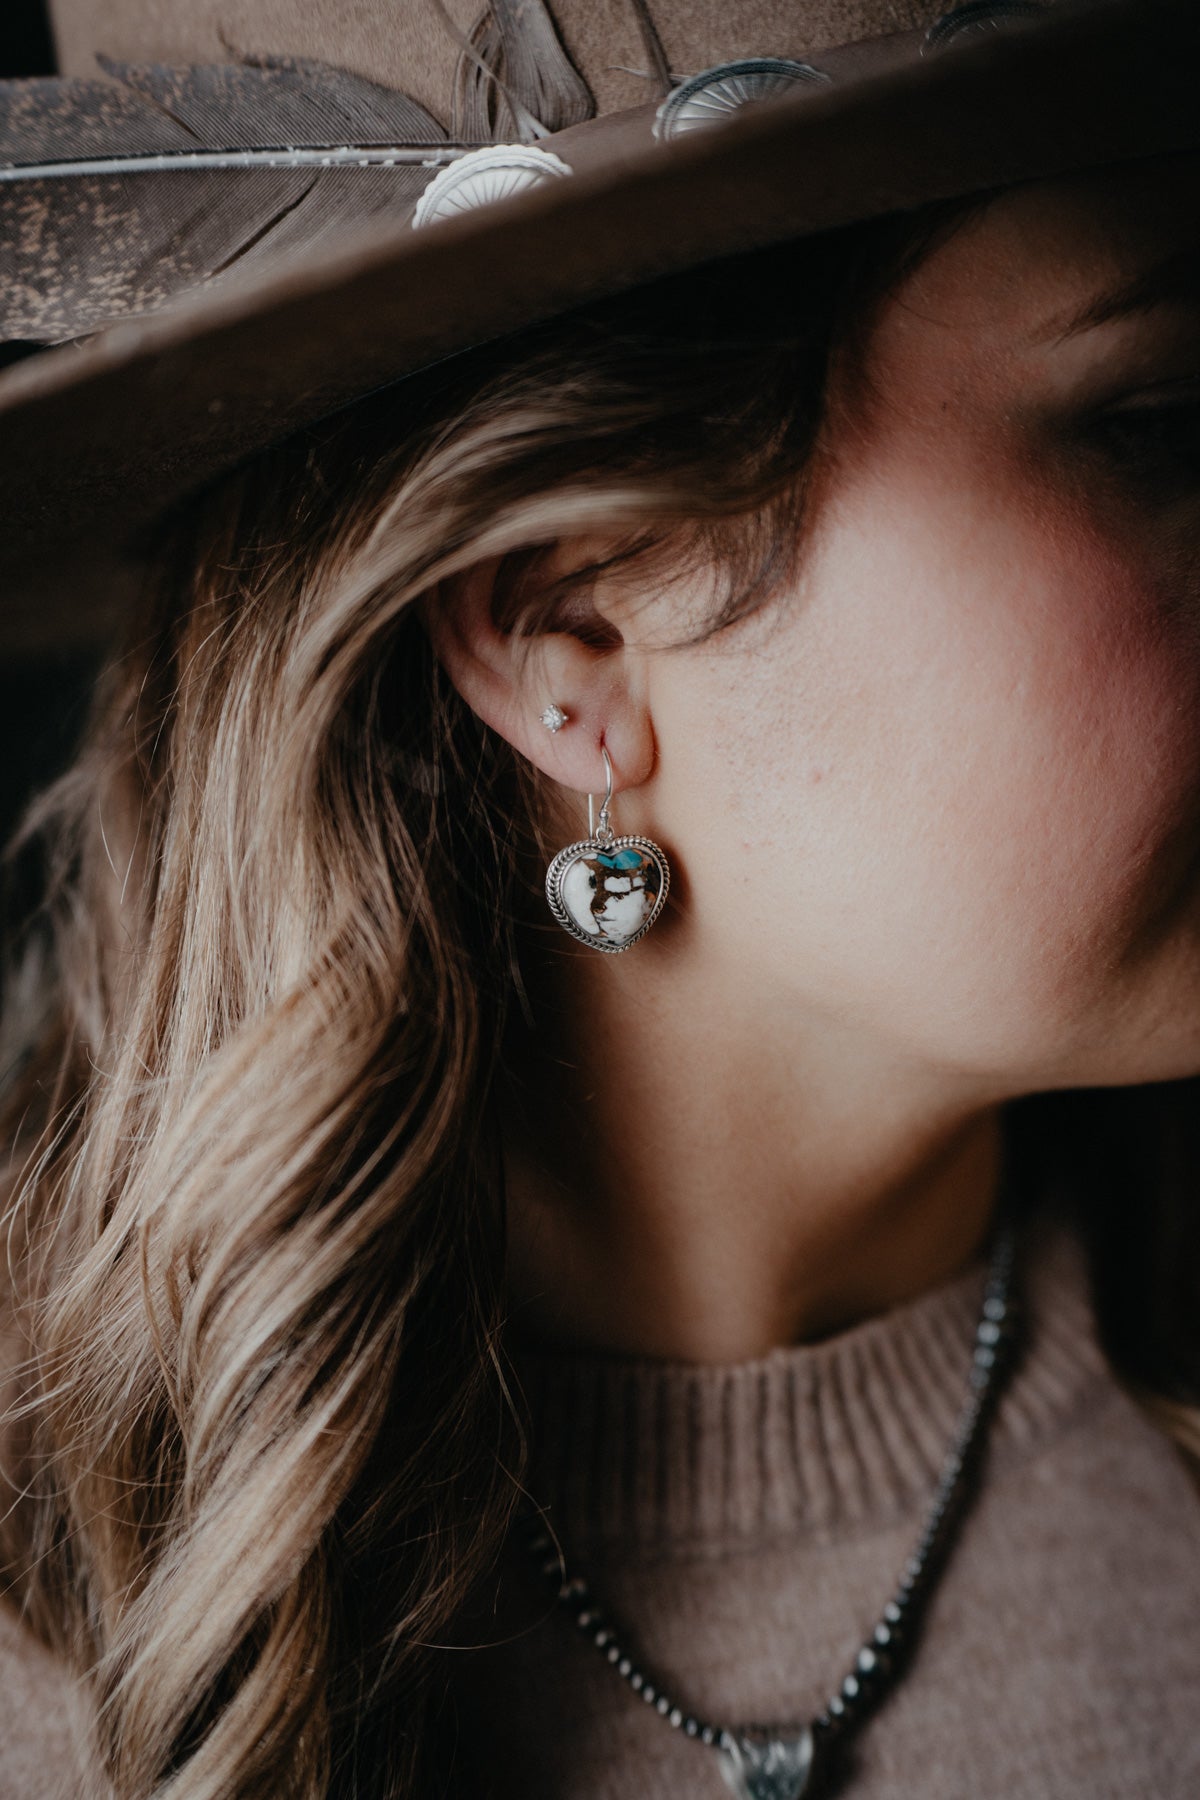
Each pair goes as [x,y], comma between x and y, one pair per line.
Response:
[512,678]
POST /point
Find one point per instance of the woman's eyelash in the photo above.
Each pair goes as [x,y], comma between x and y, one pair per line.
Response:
[1154,435]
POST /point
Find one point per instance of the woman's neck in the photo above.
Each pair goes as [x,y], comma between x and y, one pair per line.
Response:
[696,1173]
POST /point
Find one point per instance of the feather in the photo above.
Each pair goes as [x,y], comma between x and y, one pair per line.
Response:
[654,46]
[119,195]
[514,79]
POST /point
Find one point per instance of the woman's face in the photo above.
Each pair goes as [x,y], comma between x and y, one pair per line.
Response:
[947,790]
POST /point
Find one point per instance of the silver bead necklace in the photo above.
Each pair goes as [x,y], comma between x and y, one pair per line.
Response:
[786,1762]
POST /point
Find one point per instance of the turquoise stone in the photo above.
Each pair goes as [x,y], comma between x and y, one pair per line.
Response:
[624,860]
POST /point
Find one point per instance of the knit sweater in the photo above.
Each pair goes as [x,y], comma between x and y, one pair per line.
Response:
[745,1524]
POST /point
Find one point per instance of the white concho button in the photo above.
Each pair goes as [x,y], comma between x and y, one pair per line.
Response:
[978,17]
[480,177]
[715,94]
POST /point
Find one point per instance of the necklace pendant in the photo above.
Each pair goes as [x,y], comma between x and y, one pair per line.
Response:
[765,1765]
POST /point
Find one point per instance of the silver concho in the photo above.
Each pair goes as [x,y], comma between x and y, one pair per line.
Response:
[715,94]
[479,178]
[608,891]
[977,17]
[762,1765]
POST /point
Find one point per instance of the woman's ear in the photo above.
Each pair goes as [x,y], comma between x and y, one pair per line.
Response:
[575,659]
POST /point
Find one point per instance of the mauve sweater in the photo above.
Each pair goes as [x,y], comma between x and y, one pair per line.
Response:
[745,1524]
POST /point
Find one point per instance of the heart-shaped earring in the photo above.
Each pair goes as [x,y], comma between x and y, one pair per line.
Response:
[607,890]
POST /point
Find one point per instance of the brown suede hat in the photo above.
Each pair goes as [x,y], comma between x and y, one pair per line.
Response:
[225,221]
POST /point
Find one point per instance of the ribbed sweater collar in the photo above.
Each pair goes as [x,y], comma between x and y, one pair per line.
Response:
[809,1439]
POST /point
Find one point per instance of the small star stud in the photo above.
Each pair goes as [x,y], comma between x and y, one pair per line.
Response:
[554,718]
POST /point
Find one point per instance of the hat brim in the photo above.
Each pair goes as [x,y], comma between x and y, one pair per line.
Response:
[97,439]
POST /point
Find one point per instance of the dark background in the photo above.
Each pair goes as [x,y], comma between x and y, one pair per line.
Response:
[41,701]
[25,47]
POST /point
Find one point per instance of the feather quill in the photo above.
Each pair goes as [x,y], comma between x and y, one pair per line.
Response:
[117,196]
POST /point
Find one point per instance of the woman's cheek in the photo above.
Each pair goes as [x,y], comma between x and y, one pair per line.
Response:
[1088,751]
[1017,791]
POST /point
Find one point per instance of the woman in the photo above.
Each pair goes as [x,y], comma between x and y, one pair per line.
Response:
[355,1209]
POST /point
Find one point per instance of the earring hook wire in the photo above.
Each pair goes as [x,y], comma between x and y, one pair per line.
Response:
[604,830]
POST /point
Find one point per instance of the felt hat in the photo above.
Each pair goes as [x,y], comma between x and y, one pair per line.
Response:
[223,222]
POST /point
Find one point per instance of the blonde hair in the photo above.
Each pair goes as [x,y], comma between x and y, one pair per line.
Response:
[262,1430]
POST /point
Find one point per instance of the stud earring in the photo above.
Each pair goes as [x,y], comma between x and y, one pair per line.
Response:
[553,717]
[606,890]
